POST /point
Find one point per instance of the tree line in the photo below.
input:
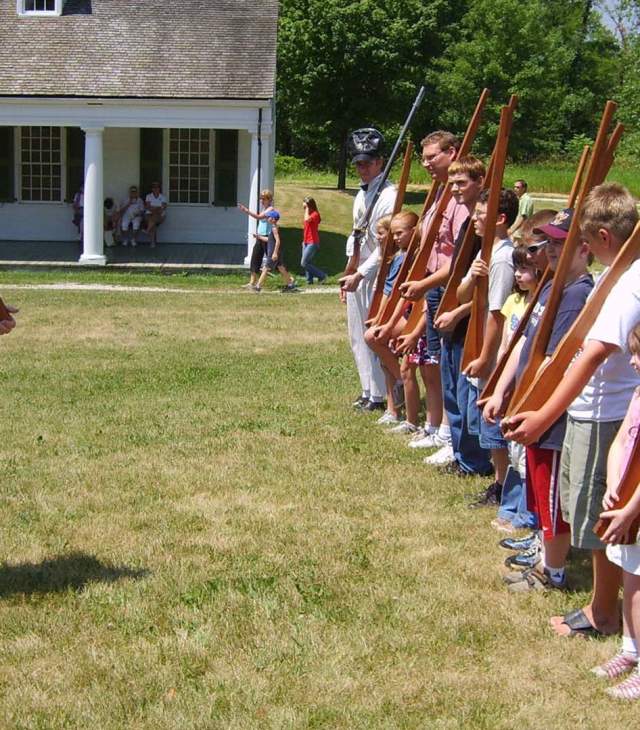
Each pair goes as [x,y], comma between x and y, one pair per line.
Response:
[349,63]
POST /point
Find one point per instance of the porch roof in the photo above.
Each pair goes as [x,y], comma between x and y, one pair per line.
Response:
[182,49]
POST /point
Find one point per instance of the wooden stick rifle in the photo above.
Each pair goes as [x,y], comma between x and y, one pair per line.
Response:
[546,277]
[419,264]
[389,248]
[474,340]
[360,228]
[629,483]
[543,332]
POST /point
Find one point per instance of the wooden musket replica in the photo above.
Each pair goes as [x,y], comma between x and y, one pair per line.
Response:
[629,483]
[394,296]
[475,331]
[416,265]
[602,155]
[361,226]
[546,277]
[388,249]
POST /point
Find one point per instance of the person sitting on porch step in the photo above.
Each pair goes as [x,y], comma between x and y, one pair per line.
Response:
[155,211]
[111,221]
[132,210]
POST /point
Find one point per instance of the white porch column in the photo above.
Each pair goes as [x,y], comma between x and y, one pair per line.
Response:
[93,224]
[254,201]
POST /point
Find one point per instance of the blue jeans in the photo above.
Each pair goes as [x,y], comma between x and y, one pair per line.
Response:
[309,250]
[513,504]
[433,336]
[466,448]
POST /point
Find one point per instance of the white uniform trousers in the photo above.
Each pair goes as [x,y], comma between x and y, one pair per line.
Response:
[367,363]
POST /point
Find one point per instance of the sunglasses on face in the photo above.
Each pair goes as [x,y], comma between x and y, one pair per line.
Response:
[535,247]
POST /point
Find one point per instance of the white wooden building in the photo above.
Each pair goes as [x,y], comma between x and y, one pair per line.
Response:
[109,93]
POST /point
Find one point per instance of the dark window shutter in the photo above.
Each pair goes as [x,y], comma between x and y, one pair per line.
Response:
[7,170]
[150,159]
[226,172]
[75,161]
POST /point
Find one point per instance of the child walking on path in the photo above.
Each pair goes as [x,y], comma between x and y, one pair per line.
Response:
[273,259]
[626,557]
[311,241]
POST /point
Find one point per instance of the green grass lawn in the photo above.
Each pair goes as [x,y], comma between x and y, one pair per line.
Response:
[197,532]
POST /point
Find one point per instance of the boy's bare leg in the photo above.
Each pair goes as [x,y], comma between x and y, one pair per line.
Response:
[433,395]
[387,358]
[500,461]
[602,611]
[411,390]
[556,550]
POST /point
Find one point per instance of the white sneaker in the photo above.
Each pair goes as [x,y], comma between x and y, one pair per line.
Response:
[404,428]
[428,441]
[387,418]
[441,457]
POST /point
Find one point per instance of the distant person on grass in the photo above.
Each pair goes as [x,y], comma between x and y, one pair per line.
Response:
[525,209]
[311,241]
[273,259]
[261,234]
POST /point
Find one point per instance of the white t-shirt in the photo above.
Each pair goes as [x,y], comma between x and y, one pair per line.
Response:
[607,394]
[155,201]
[500,274]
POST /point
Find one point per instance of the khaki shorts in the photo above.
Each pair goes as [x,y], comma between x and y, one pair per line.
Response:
[583,478]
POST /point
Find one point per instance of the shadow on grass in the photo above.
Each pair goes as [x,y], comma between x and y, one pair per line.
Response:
[56,575]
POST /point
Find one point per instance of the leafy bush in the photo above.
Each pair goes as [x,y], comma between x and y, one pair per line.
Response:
[287,165]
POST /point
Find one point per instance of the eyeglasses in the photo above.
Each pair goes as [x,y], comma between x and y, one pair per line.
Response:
[426,159]
[534,247]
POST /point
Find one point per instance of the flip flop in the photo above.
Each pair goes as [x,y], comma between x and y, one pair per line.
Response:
[580,625]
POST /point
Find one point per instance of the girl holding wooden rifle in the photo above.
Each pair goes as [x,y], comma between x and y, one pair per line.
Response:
[627,556]
[402,226]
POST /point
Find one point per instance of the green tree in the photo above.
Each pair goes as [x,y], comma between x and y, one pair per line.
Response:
[554,54]
[343,65]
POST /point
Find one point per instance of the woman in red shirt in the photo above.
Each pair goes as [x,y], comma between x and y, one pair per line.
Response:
[311,241]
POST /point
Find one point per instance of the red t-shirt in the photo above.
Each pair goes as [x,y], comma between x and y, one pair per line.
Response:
[310,230]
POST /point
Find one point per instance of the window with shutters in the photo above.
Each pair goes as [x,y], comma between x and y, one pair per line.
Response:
[189,165]
[40,164]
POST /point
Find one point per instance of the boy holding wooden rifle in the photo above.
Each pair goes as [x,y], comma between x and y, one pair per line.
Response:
[595,390]
[422,346]
[543,457]
[467,177]
[500,285]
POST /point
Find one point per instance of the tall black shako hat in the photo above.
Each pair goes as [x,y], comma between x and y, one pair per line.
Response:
[365,144]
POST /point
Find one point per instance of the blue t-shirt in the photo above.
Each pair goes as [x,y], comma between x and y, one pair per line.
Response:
[571,304]
[264,227]
[394,267]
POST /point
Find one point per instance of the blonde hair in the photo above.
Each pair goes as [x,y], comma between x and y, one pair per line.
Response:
[539,218]
[634,340]
[406,216]
[266,193]
[384,222]
[470,166]
[612,207]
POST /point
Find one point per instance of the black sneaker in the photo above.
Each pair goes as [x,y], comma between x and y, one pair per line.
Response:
[359,403]
[490,497]
[373,406]
[526,559]
[518,543]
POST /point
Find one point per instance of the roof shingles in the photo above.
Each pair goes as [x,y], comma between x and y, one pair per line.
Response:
[185,49]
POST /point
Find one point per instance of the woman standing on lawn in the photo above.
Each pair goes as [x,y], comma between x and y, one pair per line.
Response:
[262,234]
[311,240]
